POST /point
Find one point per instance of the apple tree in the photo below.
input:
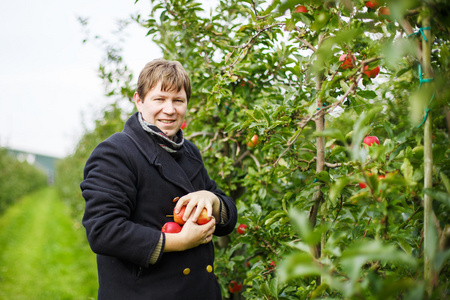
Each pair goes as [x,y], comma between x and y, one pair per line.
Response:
[322,213]
[312,79]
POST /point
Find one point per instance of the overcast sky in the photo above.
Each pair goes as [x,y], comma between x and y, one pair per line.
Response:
[48,77]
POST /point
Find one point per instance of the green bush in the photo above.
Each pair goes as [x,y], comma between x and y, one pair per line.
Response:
[17,179]
[70,169]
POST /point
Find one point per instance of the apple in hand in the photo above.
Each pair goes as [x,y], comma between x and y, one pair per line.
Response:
[370,140]
[203,217]
[178,218]
[201,220]
[171,227]
[253,141]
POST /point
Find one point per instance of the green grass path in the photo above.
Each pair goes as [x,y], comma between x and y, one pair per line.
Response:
[43,252]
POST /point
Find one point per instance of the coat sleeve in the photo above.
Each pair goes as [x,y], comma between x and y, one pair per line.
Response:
[229,204]
[109,188]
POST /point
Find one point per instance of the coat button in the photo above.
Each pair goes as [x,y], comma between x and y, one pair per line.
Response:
[209,268]
[186,271]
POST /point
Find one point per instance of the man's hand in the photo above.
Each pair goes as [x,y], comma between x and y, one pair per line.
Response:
[195,202]
[190,236]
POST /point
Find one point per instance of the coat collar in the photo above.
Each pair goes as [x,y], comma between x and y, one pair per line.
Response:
[179,172]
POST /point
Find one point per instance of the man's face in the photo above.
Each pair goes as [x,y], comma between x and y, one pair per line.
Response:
[165,110]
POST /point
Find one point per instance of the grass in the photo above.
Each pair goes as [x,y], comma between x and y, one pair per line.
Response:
[43,253]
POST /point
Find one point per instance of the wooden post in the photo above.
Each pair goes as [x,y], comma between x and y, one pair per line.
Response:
[428,157]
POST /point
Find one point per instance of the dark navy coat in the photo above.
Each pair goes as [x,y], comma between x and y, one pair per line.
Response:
[129,184]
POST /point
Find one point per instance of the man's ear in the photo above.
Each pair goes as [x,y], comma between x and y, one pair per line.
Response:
[137,101]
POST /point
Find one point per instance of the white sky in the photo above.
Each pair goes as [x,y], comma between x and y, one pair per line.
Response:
[48,77]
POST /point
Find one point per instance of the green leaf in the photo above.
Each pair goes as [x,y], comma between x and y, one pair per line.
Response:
[297,265]
[445,181]
[274,217]
[407,170]
[344,86]
[441,196]
[337,187]
[303,227]
[355,256]
[440,260]
[367,94]
[333,133]
[404,245]
[323,176]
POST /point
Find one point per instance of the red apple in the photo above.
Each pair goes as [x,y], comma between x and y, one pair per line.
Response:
[171,227]
[203,217]
[372,4]
[384,11]
[178,218]
[347,61]
[372,73]
[253,141]
[272,264]
[183,125]
[362,185]
[301,9]
[370,140]
[242,228]
[234,287]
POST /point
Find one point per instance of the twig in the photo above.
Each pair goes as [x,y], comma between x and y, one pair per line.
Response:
[201,133]
[240,158]
[409,219]
[304,41]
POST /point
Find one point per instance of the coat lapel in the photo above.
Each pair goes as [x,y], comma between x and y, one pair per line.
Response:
[176,172]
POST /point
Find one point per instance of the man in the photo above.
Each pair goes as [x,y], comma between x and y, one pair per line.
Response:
[131,183]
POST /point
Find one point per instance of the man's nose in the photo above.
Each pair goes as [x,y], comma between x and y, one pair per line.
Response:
[169,108]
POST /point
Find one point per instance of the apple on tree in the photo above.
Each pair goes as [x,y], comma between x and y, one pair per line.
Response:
[384,11]
[253,142]
[301,9]
[372,73]
[372,4]
[183,125]
[242,228]
[347,61]
[370,140]
[234,286]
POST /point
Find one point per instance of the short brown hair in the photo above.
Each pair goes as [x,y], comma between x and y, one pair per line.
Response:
[172,75]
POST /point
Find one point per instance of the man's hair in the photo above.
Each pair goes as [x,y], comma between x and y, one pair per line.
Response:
[172,75]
